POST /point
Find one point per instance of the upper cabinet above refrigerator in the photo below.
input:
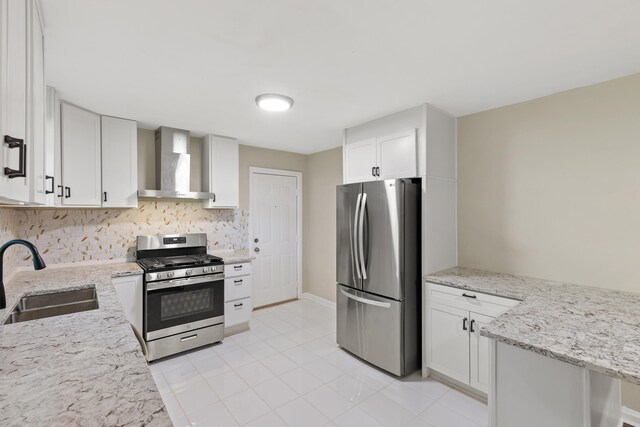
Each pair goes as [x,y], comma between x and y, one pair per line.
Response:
[383,157]
[416,142]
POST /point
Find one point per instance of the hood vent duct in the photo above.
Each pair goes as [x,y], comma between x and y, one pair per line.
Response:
[173,167]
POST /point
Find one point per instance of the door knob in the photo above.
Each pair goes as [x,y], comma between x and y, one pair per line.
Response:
[256,250]
[255,240]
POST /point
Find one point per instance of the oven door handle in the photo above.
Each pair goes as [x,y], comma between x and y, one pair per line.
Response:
[165,284]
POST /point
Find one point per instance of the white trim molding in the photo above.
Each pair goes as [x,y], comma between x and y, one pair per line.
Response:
[323,301]
[630,416]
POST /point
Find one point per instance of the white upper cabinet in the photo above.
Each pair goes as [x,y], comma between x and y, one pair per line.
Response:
[80,156]
[22,103]
[397,156]
[42,184]
[383,157]
[221,171]
[119,163]
[360,161]
[14,182]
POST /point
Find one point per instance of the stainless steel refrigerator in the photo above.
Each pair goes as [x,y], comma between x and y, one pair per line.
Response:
[378,272]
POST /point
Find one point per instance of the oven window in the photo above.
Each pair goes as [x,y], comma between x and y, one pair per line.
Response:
[175,306]
[185,304]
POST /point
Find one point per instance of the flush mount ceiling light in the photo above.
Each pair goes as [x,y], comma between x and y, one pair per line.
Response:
[274,102]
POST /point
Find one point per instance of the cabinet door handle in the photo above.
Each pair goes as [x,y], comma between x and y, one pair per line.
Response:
[68,192]
[18,143]
[464,324]
[53,184]
[377,170]
[469,296]
[373,171]
[61,195]
[105,196]
[471,325]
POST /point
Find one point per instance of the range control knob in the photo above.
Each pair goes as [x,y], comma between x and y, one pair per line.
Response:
[187,272]
[160,275]
[205,269]
[170,274]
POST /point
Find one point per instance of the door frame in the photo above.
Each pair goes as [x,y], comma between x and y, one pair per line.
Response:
[298,176]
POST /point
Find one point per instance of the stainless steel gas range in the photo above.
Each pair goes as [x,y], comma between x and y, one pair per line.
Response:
[183,293]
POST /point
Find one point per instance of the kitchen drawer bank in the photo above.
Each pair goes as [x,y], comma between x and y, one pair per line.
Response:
[78,369]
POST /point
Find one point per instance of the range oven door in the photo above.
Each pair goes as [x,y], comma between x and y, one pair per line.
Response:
[181,305]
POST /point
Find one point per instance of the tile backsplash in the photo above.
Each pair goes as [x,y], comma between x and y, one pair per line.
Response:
[8,232]
[77,235]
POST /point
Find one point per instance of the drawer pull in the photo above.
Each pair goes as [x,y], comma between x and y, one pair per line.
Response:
[469,296]
[238,305]
[190,337]
[237,267]
[238,282]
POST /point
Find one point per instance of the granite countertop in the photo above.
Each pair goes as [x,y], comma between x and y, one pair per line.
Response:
[79,369]
[233,257]
[595,328]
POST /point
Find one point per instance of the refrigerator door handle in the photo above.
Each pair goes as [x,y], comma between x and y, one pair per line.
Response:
[363,205]
[354,253]
[366,301]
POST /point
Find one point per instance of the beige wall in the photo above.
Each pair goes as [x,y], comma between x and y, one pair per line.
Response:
[265,158]
[550,188]
[324,172]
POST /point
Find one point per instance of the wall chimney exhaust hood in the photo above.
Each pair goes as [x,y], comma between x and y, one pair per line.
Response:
[173,167]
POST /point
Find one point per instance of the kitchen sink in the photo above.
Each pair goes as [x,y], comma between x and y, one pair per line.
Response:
[33,307]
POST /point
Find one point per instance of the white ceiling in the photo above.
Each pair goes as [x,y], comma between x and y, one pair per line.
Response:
[199,64]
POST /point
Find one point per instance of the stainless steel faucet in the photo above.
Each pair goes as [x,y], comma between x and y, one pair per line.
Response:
[38,264]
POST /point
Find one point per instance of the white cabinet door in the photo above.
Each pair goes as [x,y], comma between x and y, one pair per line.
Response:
[360,161]
[36,117]
[397,156]
[221,171]
[13,95]
[479,352]
[80,140]
[119,163]
[449,346]
[51,138]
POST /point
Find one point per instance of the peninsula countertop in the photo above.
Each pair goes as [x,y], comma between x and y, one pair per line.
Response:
[79,369]
[595,328]
[233,257]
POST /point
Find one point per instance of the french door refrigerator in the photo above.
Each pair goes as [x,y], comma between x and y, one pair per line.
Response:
[378,272]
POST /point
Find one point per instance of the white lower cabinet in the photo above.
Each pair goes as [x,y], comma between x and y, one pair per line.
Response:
[454,346]
[237,295]
[130,293]
[449,341]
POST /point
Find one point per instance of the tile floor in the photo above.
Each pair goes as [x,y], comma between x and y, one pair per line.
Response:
[288,371]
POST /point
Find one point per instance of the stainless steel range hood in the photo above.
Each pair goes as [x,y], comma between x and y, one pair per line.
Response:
[173,167]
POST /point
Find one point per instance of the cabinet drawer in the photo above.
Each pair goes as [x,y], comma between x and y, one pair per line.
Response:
[477,302]
[237,287]
[236,312]
[240,269]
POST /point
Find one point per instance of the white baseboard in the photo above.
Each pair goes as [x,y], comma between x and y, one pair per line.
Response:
[319,300]
[630,416]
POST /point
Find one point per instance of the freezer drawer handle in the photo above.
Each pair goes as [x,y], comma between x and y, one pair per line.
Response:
[366,301]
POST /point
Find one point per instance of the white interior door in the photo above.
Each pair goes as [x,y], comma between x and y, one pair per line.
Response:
[274,237]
